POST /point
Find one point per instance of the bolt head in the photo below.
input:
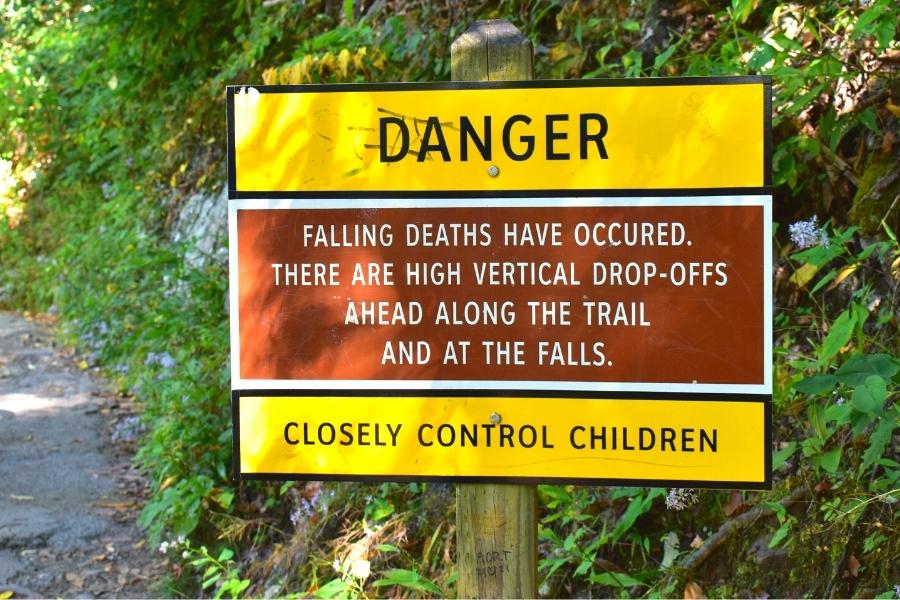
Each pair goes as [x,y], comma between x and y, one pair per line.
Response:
[495,418]
[493,170]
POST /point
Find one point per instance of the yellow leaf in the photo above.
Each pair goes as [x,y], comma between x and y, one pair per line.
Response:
[802,275]
[358,58]
[326,63]
[559,52]
[343,61]
[296,74]
[268,76]
[378,63]
[895,266]
[168,481]
[6,595]
[844,274]
[893,108]
[306,68]
[82,364]
[284,76]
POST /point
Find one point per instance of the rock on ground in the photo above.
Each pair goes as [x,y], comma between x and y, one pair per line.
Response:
[68,495]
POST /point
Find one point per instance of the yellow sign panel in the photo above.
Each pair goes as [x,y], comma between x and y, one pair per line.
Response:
[643,135]
[696,442]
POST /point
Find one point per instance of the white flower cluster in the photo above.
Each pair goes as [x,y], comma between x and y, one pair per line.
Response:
[806,234]
[171,544]
[681,498]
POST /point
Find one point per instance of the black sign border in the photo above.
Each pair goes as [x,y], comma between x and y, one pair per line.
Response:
[765,189]
[765,399]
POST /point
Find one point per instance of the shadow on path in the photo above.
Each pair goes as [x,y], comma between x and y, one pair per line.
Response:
[68,499]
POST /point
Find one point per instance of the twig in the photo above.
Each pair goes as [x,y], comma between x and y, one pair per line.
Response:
[838,568]
[890,210]
[729,528]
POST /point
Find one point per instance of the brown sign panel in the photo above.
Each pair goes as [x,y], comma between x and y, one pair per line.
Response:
[638,294]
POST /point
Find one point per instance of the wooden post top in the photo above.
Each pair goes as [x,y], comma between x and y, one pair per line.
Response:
[492,51]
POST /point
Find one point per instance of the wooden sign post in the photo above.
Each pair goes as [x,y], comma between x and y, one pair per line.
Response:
[496,524]
[501,282]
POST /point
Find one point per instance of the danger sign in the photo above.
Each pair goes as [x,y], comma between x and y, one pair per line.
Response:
[377,333]
[647,134]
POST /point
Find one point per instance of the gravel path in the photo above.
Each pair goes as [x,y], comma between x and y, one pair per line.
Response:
[68,495]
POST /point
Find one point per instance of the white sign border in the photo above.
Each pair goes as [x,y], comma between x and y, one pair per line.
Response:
[238,383]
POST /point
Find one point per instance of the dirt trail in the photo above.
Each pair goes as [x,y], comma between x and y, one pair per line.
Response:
[68,495]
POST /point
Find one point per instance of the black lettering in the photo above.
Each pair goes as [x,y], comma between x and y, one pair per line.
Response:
[347,433]
[329,427]
[533,432]
[286,437]
[440,436]
[646,445]
[419,434]
[687,440]
[306,441]
[467,131]
[705,440]
[466,433]
[572,441]
[553,135]
[667,436]
[433,125]
[394,433]
[528,139]
[506,433]
[544,442]
[363,429]
[625,445]
[487,433]
[383,154]
[601,438]
[597,138]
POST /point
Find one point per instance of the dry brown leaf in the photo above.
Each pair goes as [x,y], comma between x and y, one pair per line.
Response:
[735,505]
[693,591]
[75,579]
[696,542]
[853,565]
[823,486]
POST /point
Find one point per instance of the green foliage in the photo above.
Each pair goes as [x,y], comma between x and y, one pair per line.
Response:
[574,535]
[219,574]
[111,115]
